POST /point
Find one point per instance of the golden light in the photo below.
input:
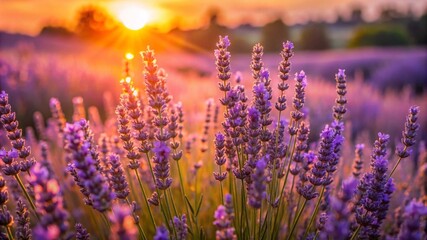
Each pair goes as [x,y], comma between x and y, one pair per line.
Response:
[129,56]
[134,16]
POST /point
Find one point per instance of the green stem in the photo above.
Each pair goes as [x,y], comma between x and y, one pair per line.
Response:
[145,199]
[170,214]
[9,233]
[297,219]
[27,196]
[173,202]
[316,210]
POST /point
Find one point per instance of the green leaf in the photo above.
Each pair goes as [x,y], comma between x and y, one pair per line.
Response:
[189,204]
[199,205]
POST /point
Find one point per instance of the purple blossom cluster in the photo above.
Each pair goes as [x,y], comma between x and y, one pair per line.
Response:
[84,168]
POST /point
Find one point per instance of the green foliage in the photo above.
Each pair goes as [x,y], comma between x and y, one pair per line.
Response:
[314,36]
[380,35]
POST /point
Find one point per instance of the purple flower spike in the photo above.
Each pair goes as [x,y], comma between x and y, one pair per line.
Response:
[410,229]
[49,202]
[288,46]
[181,227]
[162,233]
[162,168]
[84,168]
[223,223]
[257,189]
[225,41]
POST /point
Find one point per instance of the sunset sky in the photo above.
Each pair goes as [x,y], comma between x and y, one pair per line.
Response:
[28,16]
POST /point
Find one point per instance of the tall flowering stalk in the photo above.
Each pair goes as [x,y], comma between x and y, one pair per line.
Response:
[158,100]
[408,136]
[340,109]
[130,117]
[358,160]
[222,56]
[410,229]
[23,227]
[6,219]
[87,175]
[374,192]
[224,221]
[50,205]
[256,63]
[12,166]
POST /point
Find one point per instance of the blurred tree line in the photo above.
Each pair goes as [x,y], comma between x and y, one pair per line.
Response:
[392,28]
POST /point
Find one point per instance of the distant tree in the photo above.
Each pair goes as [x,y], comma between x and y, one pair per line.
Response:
[273,35]
[418,29]
[380,35]
[57,31]
[314,36]
[94,21]
[356,15]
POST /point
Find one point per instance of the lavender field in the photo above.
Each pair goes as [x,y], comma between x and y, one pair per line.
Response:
[214,145]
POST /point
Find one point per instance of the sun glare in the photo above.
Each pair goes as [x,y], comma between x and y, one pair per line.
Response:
[134,16]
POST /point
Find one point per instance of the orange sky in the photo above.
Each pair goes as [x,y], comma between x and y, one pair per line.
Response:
[28,16]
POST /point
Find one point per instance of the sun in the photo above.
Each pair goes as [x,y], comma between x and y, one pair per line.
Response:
[134,16]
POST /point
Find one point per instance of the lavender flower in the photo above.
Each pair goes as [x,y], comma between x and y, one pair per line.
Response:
[300,148]
[222,56]
[81,232]
[79,109]
[158,96]
[162,233]
[125,135]
[117,177]
[374,192]
[123,227]
[6,218]
[57,114]
[10,124]
[220,156]
[253,145]
[319,174]
[257,190]
[173,130]
[162,166]
[263,105]
[223,223]
[39,125]
[49,202]
[23,228]
[410,132]
[410,229]
[256,63]
[341,101]
[358,161]
[11,167]
[338,224]
[154,199]
[87,174]
[284,69]
[299,97]
[205,134]
[181,227]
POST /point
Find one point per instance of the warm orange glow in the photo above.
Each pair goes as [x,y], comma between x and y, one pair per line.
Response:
[129,56]
[134,16]
[135,92]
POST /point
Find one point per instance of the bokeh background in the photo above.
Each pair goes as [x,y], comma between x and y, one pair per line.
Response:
[66,49]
